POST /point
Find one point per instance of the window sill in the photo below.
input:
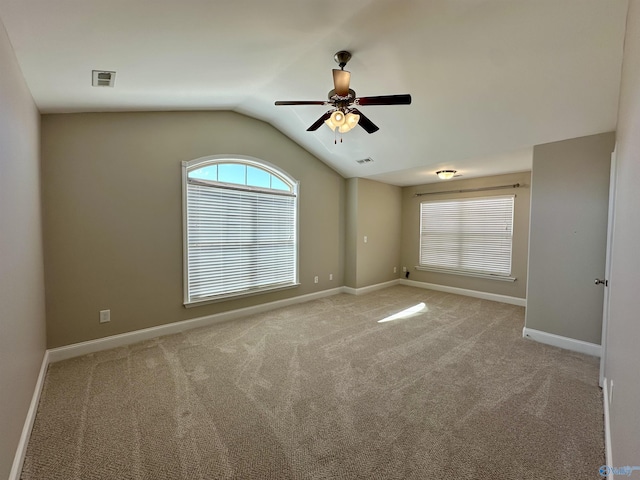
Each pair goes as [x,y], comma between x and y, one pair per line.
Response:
[488,276]
[236,296]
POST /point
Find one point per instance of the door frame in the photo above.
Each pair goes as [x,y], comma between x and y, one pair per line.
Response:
[607,268]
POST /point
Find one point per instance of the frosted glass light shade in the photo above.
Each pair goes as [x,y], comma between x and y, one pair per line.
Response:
[351,120]
[337,118]
[446,174]
[342,122]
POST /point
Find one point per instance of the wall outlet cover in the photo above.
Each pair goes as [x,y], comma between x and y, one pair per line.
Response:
[105,316]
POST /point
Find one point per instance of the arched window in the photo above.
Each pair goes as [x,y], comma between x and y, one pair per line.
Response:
[240,228]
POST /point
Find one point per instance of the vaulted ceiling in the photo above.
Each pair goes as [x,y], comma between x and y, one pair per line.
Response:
[489,78]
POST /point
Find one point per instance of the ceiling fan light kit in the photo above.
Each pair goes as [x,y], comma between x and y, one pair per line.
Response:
[342,122]
[344,115]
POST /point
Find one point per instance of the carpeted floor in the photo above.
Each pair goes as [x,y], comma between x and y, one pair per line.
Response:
[321,390]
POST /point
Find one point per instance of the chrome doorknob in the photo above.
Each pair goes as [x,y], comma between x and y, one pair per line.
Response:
[601,282]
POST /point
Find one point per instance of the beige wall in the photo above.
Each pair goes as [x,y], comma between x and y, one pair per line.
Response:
[113,215]
[351,233]
[622,344]
[373,211]
[569,202]
[22,325]
[411,232]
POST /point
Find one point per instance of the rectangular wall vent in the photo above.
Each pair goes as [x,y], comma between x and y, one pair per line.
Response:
[365,160]
[103,78]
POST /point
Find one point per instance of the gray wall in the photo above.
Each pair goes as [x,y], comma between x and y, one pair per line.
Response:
[373,210]
[622,344]
[113,215]
[569,202]
[22,324]
[411,232]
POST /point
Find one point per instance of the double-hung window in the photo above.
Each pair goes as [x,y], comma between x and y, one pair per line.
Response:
[470,236]
[240,228]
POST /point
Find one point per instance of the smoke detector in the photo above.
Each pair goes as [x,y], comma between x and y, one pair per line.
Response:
[103,78]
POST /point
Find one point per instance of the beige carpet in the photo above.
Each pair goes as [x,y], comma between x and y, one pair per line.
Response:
[323,391]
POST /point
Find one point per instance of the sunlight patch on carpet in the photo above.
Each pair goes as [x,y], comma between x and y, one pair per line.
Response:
[406,313]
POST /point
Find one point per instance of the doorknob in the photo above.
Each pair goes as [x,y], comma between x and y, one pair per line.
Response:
[601,282]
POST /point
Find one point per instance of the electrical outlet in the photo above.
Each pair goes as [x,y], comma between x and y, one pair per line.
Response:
[365,239]
[105,316]
[395,269]
[404,269]
[331,276]
[315,279]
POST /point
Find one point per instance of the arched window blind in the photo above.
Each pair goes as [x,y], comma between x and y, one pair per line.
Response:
[467,236]
[240,229]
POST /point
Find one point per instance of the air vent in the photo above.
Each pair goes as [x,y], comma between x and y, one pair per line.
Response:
[102,78]
[365,160]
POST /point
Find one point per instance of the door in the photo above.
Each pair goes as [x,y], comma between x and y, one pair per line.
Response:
[568,242]
[605,282]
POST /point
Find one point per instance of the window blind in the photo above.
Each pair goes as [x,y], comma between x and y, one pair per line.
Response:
[472,235]
[239,241]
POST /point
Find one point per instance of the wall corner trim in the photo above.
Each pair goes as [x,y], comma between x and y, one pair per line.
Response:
[562,342]
[21,450]
[521,302]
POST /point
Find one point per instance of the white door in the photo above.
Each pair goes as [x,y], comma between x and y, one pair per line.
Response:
[607,269]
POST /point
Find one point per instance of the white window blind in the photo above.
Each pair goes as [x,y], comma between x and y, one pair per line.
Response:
[239,239]
[472,235]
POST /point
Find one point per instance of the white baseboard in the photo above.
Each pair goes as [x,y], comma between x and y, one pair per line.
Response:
[123,339]
[370,288]
[114,341]
[607,427]
[92,346]
[521,302]
[562,342]
[21,451]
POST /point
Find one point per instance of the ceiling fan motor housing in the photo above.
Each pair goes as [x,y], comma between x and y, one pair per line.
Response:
[340,101]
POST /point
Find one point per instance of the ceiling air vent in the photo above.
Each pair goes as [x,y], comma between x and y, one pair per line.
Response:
[102,78]
[365,160]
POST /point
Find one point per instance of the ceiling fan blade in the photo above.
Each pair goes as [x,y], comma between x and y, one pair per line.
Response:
[318,123]
[364,122]
[404,99]
[302,102]
[341,80]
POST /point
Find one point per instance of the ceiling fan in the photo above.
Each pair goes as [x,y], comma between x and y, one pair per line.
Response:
[344,114]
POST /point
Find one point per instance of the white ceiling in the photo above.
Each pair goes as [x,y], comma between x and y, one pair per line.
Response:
[489,78]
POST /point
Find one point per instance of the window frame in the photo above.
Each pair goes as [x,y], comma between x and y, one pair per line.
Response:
[469,273]
[190,165]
